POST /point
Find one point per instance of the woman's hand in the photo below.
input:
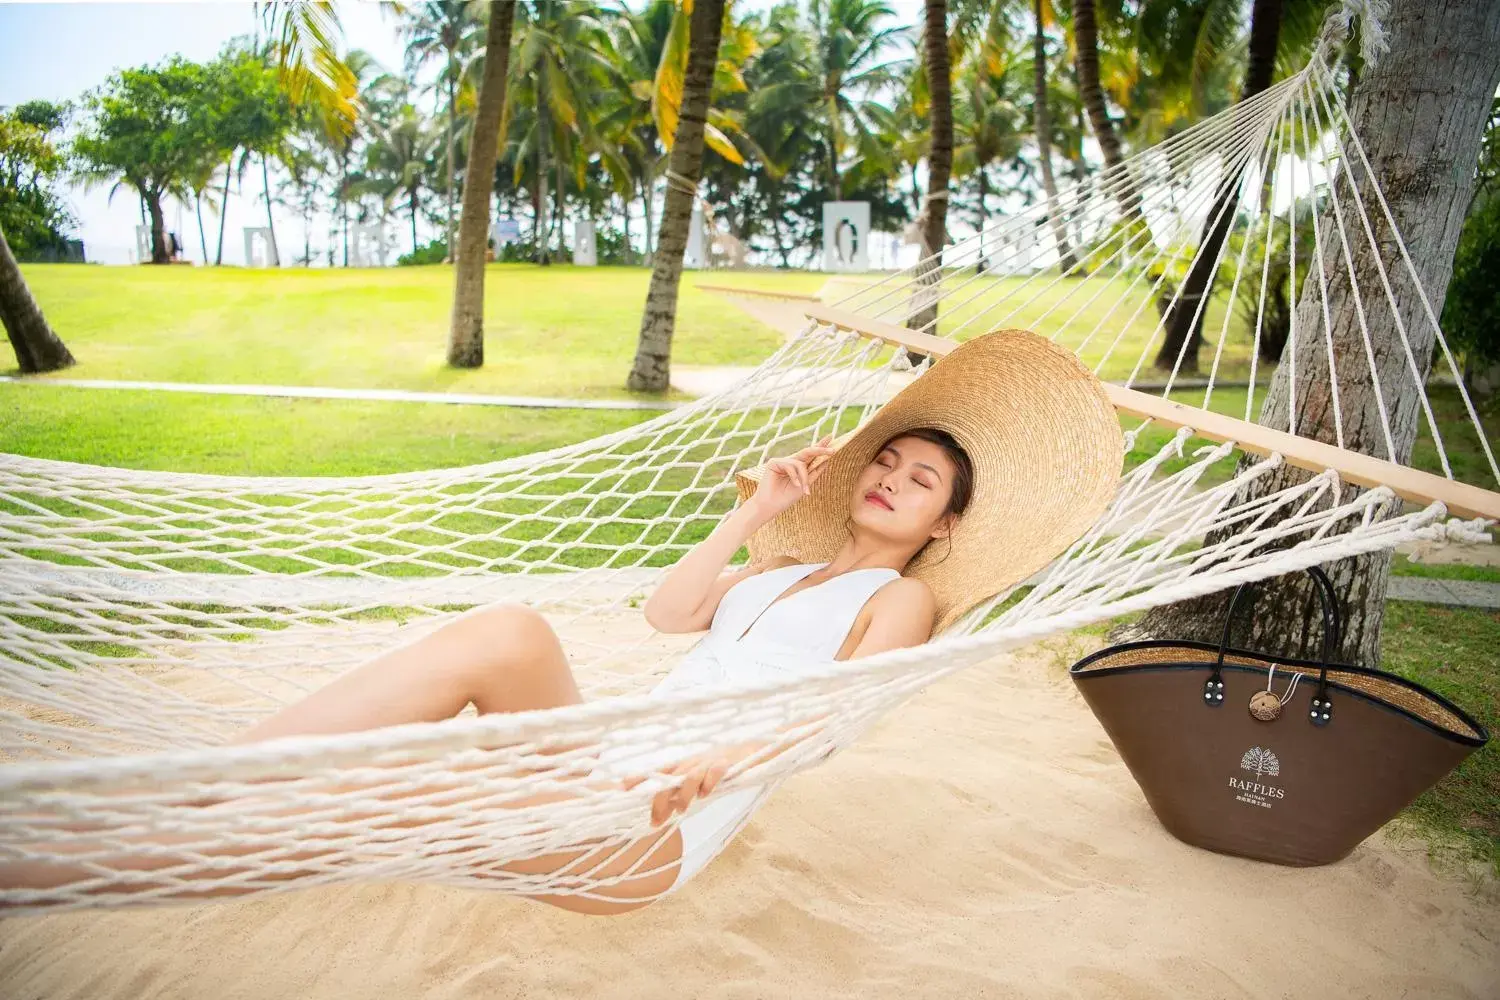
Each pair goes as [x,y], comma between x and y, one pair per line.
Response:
[788,480]
[702,774]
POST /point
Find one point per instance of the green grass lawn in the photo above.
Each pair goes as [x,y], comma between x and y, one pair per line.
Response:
[553,331]
[1456,652]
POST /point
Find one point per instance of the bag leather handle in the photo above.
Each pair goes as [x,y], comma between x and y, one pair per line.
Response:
[1322,708]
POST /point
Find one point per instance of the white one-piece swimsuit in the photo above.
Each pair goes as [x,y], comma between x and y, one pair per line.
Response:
[805,628]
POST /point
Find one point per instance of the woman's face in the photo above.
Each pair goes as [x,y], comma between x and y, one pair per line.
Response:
[903,493]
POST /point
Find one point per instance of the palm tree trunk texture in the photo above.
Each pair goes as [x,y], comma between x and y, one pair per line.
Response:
[224,211]
[411,203]
[159,254]
[1086,42]
[452,114]
[265,179]
[646,204]
[1421,111]
[466,329]
[1184,320]
[1043,121]
[202,239]
[939,166]
[37,348]
[344,199]
[651,371]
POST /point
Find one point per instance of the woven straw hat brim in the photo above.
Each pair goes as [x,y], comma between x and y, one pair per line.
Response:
[1047,452]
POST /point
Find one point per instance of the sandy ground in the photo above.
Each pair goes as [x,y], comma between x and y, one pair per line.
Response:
[982,841]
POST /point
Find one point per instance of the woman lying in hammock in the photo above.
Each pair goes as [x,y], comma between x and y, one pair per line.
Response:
[506,658]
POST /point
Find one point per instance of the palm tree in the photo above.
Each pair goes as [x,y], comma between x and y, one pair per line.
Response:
[1422,153]
[651,371]
[935,57]
[305,36]
[37,348]
[988,121]
[441,28]
[1183,321]
[400,145]
[628,118]
[1086,59]
[559,64]
[466,331]
[850,42]
[1042,122]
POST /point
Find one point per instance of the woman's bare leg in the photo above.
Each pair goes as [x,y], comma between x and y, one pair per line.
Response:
[503,658]
[500,658]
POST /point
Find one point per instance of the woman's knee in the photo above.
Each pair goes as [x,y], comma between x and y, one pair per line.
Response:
[513,624]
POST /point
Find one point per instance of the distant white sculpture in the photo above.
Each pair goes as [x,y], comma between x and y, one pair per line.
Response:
[846,231]
[370,246]
[142,244]
[696,254]
[585,244]
[504,231]
[258,238]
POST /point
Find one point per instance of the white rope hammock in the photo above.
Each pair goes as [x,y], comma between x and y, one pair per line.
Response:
[146,616]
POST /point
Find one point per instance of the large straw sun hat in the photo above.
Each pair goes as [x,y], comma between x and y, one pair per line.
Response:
[1047,450]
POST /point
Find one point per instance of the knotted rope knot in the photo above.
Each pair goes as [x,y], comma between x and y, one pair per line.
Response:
[1179,439]
[689,187]
[1338,27]
[1471,532]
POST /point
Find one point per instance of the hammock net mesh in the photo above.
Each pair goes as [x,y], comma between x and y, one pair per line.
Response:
[146,616]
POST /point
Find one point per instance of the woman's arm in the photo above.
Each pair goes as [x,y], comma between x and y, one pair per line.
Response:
[686,600]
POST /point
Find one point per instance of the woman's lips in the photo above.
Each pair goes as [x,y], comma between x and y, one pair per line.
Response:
[878,500]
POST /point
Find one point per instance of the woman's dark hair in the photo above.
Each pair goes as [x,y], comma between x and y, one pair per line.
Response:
[963,467]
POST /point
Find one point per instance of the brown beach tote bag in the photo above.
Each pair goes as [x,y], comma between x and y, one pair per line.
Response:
[1297,778]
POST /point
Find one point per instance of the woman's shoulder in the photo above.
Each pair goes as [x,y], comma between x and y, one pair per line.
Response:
[907,601]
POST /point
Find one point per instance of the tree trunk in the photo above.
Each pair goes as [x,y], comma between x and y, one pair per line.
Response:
[265,179]
[466,329]
[202,239]
[344,199]
[1042,115]
[37,348]
[452,116]
[984,190]
[646,199]
[159,253]
[559,204]
[651,371]
[924,310]
[1421,111]
[1183,321]
[1086,44]
[224,212]
[543,238]
[833,147]
[411,203]
[625,227]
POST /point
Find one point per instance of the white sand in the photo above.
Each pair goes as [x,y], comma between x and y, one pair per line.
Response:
[983,841]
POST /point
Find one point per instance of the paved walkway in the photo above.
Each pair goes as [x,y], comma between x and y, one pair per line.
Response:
[326,392]
[1456,593]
